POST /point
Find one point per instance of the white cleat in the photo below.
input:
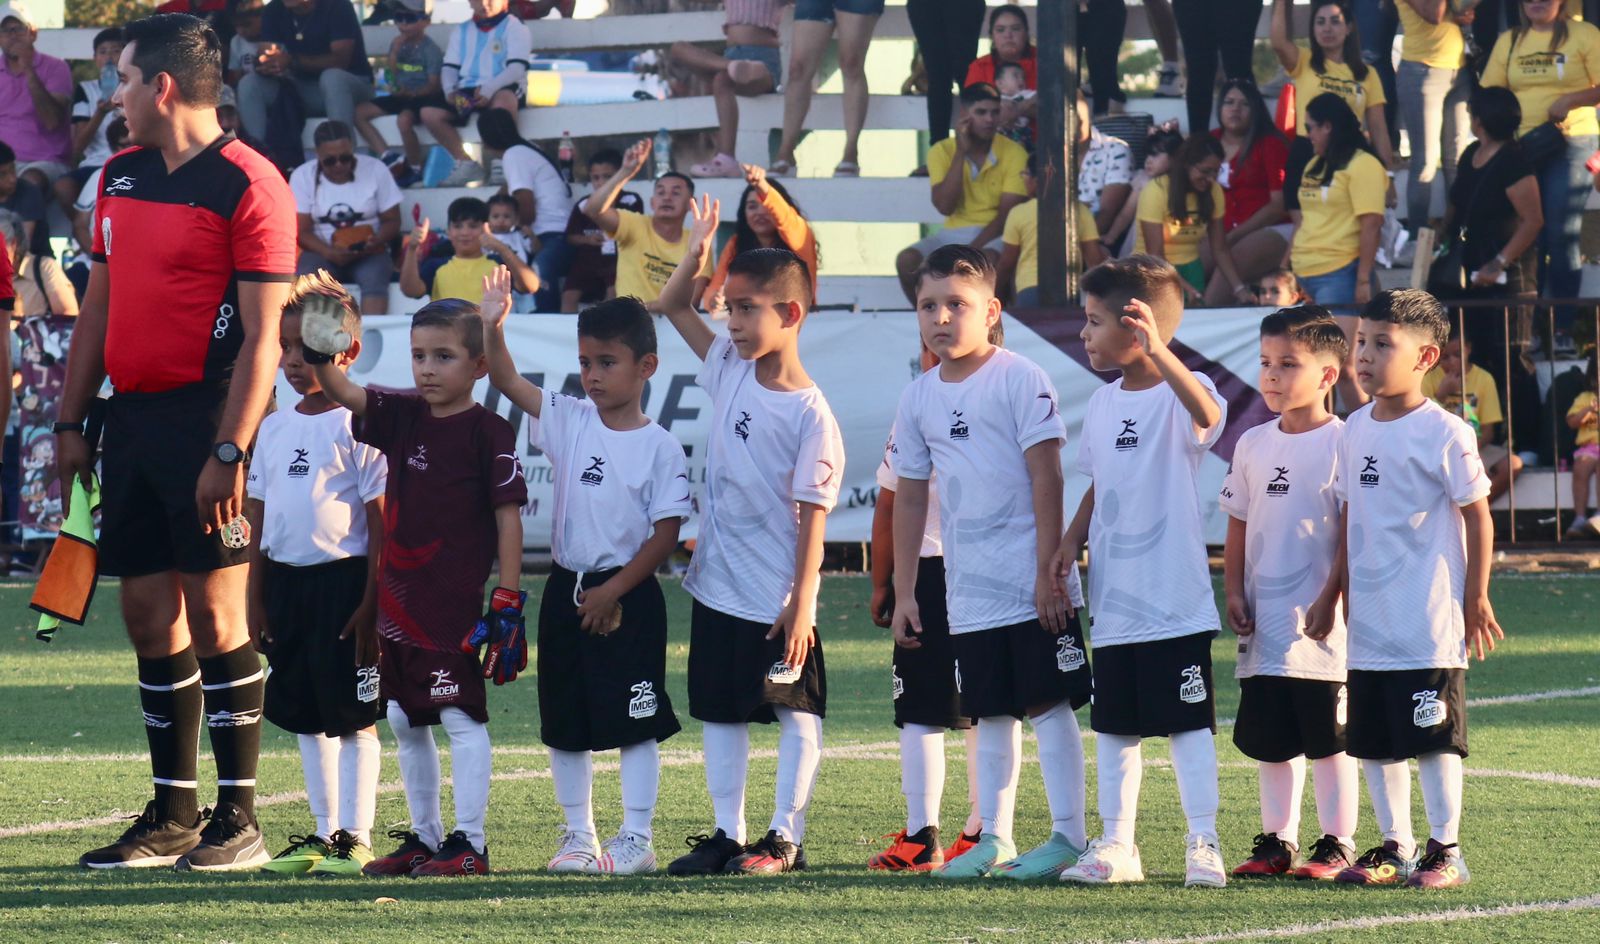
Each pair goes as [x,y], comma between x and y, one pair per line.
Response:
[1106,863]
[578,853]
[1203,866]
[624,854]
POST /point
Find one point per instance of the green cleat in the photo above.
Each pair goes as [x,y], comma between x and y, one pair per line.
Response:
[303,855]
[1041,863]
[347,855]
[978,861]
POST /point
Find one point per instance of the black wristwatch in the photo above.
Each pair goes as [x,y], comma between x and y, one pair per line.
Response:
[64,427]
[227,453]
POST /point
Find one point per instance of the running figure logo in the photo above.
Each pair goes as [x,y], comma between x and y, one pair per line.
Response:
[1192,691]
[595,473]
[1069,655]
[443,686]
[643,702]
[1430,711]
[1128,438]
[1280,485]
[300,465]
[1369,472]
[741,427]
[958,426]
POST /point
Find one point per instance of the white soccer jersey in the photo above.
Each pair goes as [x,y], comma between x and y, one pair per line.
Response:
[1281,486]
[316,481]
[767,450]
[1405,481]
[98,151]
[611,486]
[931,544]
[975,433]
[1148,575]
[487,60]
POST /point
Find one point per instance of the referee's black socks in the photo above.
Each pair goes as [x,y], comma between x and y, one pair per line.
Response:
[233,686]
[169,693]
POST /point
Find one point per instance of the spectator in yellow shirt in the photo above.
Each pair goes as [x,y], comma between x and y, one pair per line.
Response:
[1019,256]
[476,253]
[649,248]
[1182,209]
[1469,391]
[1584,416]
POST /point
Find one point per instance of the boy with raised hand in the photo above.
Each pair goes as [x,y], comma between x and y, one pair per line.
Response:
[986,420]
[1144,436]
[774,461]
[461,274]
[452,510]
[621,493]
[1420,540]
[1284,578]
[315,498]
[649,248]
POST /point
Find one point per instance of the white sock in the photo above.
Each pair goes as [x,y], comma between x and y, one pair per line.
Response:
[921,774]
[1194,760]
[1389,785]
[1440,774]
[1282,785]
[319,759]
[799,757]
[1061,766]
[359,757]
[641,780]
[999,762]
[727,750]
[1120,771]
[573,773]
[419,771]
[974,823]
[1338,796]
[470,764]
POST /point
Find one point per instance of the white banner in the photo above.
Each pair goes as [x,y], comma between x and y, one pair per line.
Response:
[861,362]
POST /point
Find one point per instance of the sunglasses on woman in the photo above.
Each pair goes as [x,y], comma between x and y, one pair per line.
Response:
[402,19]
[334,160]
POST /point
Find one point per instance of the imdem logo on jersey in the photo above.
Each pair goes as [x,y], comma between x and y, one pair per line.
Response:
[782,673]
[367,684]
[897,685]
[1430,711]
[1069,655]
[958,426]
[300,465]
[595,473]
[1192,690]
[1128,438]
[420,460]
[443,686]
[643,702]
[1368,477]
[741,426]
[1279,486]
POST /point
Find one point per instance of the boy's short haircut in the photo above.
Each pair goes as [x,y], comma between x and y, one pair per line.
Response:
[622,319]
[7,156]
[979,92]
[958,259]
[674,175]
[111,35]
[778,271]
[610,156]
[468,210]
[1311,326]
[322,283]
[1411,309]
[501,199]
[455,313]
[1150,279]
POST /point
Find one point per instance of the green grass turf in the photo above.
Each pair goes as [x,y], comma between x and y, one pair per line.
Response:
[71,746]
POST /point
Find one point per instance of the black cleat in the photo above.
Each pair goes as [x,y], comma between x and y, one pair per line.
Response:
[230,842]
[149,843]
[708,855]
[769,855]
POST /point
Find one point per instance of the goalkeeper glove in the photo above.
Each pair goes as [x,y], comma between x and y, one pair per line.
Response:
[322,333]
[504,632]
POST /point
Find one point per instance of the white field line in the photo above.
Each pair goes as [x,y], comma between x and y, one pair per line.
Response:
[1374,922]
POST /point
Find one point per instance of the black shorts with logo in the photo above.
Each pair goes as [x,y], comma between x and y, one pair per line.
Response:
[600,692]
[923,680]
[737,675]
[1154,689]
[1010,669]
[425,681]
[1407,713]
[151,454]
[314,685]
[1283,718]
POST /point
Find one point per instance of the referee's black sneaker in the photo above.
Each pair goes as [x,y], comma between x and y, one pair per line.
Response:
[230,842]
[708,855]
[768,855]
[151,842]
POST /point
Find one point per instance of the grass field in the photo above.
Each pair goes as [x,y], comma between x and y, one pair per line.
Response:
[71,754]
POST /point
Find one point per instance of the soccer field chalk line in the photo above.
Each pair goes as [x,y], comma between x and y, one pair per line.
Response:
[1374,922]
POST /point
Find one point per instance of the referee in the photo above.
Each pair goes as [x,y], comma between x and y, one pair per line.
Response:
[194,253]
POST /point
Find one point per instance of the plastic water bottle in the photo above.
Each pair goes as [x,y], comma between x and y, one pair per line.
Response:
[663,152]
[564,155]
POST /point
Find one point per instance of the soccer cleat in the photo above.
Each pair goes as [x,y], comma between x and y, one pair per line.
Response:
[769,855]
[1043,862]
[412,853]
[708,855]
[302,855]
[577,853]
[1442,866]
[462,173]
[347,855]
[1106,863]
[1271,856]
[455,857]
[964,841]
[980,860]
[1202,860]
[1328,858]
[151,842]
[229,842]
[1380,865]
[918,852]
[624,854]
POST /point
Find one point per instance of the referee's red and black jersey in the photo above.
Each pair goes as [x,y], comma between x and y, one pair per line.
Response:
[176,246]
